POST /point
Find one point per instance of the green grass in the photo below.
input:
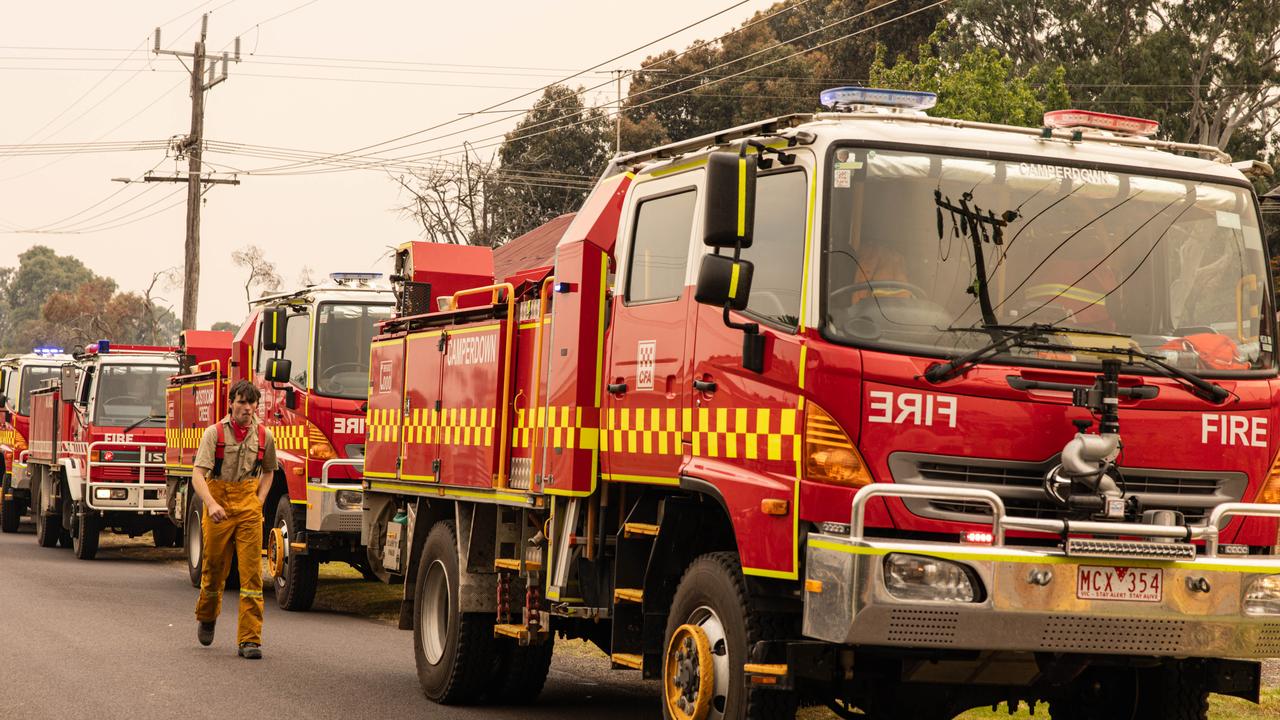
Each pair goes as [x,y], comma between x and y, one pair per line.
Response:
[343,590]
[1221,707]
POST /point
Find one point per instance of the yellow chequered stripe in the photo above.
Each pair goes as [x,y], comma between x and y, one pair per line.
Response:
[465,426]
[183,438]
[8,436]
[290,437]
[746,433]
[383,425]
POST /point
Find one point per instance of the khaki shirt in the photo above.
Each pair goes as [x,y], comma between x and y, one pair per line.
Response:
[237,458]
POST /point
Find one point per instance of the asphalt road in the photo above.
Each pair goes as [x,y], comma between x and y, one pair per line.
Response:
[115,638]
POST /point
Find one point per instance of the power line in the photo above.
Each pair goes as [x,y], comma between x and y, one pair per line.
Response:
[415,133]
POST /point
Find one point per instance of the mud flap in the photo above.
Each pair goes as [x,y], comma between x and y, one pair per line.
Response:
[1238,678]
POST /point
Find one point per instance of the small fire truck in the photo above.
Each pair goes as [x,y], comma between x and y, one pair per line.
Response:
[899,414]
[96,458]
[18,375]
[307,351]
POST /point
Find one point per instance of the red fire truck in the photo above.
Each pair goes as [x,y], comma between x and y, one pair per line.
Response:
[896,413]
[18,375]
[307,351]
[97,447]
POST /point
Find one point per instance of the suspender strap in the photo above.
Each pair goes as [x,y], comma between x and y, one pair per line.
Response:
[262,449]
[219,451]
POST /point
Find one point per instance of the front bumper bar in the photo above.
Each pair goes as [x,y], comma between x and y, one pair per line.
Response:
[1030,601]
[324,514]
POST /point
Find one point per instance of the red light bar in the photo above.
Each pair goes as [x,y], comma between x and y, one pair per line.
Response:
[1121,124]
[977,537]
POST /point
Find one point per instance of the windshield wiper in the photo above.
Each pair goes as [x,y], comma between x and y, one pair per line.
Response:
[139,421]
[1018,335]
[1204,389]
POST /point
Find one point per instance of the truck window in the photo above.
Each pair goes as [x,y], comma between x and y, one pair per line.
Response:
[297,340]
[343,336]
[1174,267]
[33,377]
[660,248]
[128,393]
[777,250]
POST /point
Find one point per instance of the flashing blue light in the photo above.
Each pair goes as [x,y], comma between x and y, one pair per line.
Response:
[46,351]
[104,347]
[844,98]
[362,277]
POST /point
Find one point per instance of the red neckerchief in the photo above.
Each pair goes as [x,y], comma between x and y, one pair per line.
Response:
[241,432]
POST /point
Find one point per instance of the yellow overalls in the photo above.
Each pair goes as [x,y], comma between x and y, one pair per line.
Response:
[240,533]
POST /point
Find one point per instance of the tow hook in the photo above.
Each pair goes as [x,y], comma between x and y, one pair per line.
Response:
[1040,577]
[1199,584]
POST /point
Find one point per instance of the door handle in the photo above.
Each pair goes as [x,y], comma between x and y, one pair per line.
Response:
[279,415]
[616,388]
[707,386]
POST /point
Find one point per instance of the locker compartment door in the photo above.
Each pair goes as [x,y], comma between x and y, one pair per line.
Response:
[386,409]
[422,418]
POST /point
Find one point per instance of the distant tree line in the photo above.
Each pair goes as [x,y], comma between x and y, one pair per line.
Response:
[1207,70]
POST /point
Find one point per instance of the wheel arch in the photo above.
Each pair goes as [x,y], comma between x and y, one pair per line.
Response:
[424,513]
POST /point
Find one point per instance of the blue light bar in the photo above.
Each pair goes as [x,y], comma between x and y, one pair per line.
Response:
[104,346]
[342,277]
[843,98]
[46,351]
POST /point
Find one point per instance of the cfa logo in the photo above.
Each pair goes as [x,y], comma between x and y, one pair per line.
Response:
[384,376]
[1233,430]
[354,425]
[911,408]
[646,356]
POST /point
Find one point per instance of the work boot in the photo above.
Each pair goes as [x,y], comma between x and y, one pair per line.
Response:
[204,633]
[251,651]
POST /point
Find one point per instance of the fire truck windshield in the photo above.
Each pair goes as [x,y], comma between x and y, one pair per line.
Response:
[343,334]
[128,394]
[33,376]
[1170,266]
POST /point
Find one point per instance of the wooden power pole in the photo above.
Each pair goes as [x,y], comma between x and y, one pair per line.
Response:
[192,146]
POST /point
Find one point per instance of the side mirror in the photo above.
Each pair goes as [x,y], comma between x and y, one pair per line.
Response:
[4,401]
[731,200]
[279,370]
[724,281]
[274,321]
[67,379]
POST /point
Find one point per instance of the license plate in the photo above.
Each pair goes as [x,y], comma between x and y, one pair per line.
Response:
[1119,583]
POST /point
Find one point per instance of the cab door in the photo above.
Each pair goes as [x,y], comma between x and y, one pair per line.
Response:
[745,428]
[647,376]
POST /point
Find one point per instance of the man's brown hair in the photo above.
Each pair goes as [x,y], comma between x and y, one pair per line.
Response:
[244,390]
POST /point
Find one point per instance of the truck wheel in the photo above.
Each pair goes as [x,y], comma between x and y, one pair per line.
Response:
[195,542]
[48,528]
[522,671]
[455,651]
[1174,691]
[10,510]
[164,534]
[88,530]
[709,629]
[298,575]
[1098,695]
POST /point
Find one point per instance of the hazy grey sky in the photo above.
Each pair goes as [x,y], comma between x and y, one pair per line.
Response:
[79,71]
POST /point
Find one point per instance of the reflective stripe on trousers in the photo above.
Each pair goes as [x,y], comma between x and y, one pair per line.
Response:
[240,536]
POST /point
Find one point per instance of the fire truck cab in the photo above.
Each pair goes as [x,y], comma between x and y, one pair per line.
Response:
[97,447]
[307,352]
[902,414]
[18,376]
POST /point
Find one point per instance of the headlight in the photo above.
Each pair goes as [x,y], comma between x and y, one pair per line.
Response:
[349,499]
[111,494]
[1262,596]
[917,577]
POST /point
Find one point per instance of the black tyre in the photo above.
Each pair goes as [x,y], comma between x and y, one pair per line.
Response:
[1100,694]
[194,541]
[711,621]
[455,651]
[48,527]
[299,575]
[522,671]
[10,510]
[165,535]
[88,531]
[1174,691]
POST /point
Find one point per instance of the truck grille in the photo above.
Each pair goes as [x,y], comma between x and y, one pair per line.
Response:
[1020,484]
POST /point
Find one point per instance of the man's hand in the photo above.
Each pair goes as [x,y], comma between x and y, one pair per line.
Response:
[216,512]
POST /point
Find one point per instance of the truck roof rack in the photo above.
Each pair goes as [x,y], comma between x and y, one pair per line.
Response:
[720,137]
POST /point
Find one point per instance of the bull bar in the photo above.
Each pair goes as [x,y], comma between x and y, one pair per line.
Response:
[137,500]
[323,513]
[1028,598]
